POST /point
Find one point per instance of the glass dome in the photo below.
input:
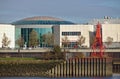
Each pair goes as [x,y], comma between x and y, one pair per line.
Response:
[42,20]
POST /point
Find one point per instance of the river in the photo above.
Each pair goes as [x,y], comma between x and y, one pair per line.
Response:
[115,76]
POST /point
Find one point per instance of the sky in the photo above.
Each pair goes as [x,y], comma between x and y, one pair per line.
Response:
[78,11]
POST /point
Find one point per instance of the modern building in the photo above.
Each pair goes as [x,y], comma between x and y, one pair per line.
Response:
[9,31]
[112,31]
[110,28]
[105,20]
[61,29]
[72,32]
[23,28]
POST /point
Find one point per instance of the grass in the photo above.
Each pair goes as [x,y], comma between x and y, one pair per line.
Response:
[26,66]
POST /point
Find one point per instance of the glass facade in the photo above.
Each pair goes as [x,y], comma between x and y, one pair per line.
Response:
[32,22]
[25,33]
[17,35]
[38,20]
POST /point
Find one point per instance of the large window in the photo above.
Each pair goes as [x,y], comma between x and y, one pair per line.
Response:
[70,44]
[25,32]
[71,33]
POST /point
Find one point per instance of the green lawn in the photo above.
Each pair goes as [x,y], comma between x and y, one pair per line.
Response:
[26,66]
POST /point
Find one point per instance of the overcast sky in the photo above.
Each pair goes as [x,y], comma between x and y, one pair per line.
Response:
[78,11]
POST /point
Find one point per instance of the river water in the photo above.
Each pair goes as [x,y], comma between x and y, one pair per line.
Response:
[115,76]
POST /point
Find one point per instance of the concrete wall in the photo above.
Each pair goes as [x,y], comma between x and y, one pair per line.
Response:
[56,35]
[111,30]
[9,30]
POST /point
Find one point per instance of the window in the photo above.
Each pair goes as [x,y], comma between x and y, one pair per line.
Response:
[71,33]
[71,44]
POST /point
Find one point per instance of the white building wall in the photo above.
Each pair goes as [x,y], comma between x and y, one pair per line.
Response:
[84,29]
[9,30]
[111,30]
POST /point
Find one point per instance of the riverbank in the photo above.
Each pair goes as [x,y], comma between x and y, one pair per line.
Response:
[26,67]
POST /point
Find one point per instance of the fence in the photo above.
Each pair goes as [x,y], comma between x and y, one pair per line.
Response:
[116,68]
[83,67]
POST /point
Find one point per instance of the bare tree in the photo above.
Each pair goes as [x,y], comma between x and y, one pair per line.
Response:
[65,41]
[109,41]
[48,39]
[20,42]
[81,40]
[33,39]
[5,41]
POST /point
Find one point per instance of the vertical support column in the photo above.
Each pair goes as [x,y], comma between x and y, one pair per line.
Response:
[65,68]
[99,67]
[62,69]
[87,68]
[77,69]
[119,68]
[90,67]
[55,71]
[68,68]
[73,67]
[58,70]
[113,68]
[84,67]
[81,67]
[105,66]
[102,67]
[93,67]
[96,63]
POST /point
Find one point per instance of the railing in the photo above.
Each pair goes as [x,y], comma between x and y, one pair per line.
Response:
[116,68]
[83,67]
[66,49]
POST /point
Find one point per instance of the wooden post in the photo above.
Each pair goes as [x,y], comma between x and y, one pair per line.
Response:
[90,67]
[96,66]
[84,67]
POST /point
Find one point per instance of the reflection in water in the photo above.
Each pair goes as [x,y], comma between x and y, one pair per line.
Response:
[115,76]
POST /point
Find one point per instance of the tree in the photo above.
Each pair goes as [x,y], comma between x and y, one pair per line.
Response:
[109,40]
[79,55]
[20,42]
[65,41]
[81,40]
[58,53]
[48,39]
[33,39]
[5,41]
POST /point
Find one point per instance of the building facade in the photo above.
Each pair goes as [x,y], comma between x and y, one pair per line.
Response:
[9,31]
[41,24]
[111,31]
[60,29]
[72,32]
